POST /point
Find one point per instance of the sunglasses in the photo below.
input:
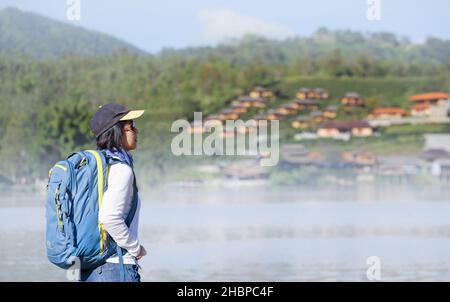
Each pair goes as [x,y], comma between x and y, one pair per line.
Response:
[132,126]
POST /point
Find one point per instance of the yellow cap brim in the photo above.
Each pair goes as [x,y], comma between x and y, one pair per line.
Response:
[133,114]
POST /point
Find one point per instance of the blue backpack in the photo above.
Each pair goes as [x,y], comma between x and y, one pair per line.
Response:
[74,197]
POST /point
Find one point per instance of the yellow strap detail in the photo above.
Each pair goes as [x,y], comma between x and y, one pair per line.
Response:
[100,196]
[61,167]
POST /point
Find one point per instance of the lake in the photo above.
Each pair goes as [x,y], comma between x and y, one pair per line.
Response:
[259,234]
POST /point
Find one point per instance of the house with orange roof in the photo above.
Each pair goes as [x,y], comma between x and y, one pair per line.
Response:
[421,109]
[430,98]
[335,128]
[387,113]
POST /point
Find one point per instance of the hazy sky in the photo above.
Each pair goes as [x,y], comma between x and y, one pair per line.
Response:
[152,25]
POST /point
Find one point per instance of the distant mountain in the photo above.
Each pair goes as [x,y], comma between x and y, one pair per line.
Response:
[41,37]
[378,46]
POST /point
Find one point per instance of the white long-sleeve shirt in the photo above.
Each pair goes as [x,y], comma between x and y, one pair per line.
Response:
[115,207]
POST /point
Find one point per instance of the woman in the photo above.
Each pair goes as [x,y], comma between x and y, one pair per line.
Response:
[116,134]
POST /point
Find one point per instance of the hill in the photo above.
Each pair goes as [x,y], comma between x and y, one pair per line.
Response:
[40,37]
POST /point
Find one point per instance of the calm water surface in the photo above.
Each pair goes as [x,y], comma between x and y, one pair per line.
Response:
[256,234]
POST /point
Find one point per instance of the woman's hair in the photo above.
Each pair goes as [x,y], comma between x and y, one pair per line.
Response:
[112,137]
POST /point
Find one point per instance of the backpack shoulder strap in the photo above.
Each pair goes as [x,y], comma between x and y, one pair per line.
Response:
[134,202]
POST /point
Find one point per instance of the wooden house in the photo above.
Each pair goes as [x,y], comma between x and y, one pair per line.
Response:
[302,122]
[303,93]
[387,113]
[431,98]
[306,104]
[273,115]
[317,117]
[330,112]
[320,94]
[248,102]
[287,109]
[261,92]
[355,128]
[422,109]
[352,99]
[315,94]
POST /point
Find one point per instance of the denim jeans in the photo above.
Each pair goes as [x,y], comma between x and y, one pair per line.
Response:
[109,272]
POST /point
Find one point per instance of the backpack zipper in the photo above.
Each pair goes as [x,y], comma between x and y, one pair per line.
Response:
[58,220]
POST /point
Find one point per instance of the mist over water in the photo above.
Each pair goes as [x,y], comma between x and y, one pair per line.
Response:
[260,234]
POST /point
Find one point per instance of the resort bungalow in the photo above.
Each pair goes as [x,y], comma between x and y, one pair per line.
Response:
[335,128]
[352,99]
[273,115]
[246,101]
[287,109]
[431,98]
[261,92]
[302,122]
[421,109]
[317,117]
[330,112]
[387,113]
[228,114]
[304,93]
[320,94]
[306,104]
[238,108]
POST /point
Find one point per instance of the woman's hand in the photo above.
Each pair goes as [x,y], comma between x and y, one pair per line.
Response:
[142,253]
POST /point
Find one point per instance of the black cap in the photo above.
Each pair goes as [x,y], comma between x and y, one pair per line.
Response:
[110,114]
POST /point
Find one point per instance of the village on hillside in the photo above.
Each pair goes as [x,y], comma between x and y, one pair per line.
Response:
[312,116]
